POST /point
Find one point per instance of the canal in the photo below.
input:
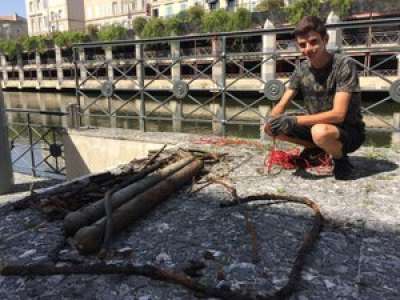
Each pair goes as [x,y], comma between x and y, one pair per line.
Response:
[95,116]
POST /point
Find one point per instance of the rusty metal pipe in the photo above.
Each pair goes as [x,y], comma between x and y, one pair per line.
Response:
[90,214]
[89,239]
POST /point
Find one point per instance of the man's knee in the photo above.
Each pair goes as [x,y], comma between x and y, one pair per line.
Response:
[324,133]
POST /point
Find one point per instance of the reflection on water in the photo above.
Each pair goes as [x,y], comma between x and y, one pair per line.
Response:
[126,114]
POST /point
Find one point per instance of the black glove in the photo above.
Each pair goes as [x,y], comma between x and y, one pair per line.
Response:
[283,124]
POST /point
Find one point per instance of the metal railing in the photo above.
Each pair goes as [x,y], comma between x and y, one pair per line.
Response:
[36,148]
[218,98]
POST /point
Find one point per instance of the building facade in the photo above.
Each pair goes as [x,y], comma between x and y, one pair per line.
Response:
[167,8]
[46,16]
[12,27]
[100,13]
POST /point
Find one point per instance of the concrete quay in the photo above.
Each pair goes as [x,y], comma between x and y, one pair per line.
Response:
[356,256]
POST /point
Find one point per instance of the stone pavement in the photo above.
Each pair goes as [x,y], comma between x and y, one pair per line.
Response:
[356,257]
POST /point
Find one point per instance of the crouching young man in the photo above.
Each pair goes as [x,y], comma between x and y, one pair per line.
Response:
[330,88]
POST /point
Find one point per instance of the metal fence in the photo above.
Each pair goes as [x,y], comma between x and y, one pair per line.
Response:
[222,80]
[36,149]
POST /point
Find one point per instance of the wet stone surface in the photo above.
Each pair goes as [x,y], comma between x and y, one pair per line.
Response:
[356,256]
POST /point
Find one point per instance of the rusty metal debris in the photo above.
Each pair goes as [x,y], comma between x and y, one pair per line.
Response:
[181,278]
[90,238]
[145,179]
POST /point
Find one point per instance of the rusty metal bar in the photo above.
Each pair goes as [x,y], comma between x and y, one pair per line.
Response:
[90,214]
[89,239]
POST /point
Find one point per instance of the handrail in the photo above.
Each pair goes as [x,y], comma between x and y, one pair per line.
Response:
[42,112]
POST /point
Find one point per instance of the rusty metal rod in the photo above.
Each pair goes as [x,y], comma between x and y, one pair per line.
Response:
[90,214]
[89,239]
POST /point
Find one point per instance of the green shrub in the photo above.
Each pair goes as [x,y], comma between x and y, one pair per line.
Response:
[66,39]
[300,8]
[240,19]
[138,25]
[35,43]
[112,33]
[217,21]
[155,27]
[10,48]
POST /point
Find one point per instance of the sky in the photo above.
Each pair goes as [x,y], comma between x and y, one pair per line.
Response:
[8,7]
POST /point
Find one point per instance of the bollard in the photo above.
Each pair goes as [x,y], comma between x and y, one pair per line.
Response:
[6,171]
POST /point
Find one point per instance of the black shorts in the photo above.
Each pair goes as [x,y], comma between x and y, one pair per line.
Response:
[351,137]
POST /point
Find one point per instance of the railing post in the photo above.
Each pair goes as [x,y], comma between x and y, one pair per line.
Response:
[31,148]
[268,68]
[59,62]
[140,77]
[82,61]
[6,171]
[396,132]
[20,70]
[3,62]
[335,34]
[73,119]
[268,71]
[218,76]
[39,72]
[398,65]
[109,58]
[175,104]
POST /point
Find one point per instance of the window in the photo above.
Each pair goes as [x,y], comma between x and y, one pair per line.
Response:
[183,5]
[231,5]
[213,4]
[60,14]
[169,11]
[114,8]
[155,12]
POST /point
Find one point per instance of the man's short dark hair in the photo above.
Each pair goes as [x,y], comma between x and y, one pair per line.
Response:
[310,23]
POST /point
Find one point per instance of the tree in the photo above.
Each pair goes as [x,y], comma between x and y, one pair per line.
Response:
[177,25]
[138,25]
[68,38]
[113,32]
[92,32]
[270,5]
[155,27]
[34,43]
[300,8]
[10,48]
[341,7]
[195,16]
[241,19]
[217,21]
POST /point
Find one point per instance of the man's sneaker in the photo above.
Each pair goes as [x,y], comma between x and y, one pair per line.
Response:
[342,168]
[310,157]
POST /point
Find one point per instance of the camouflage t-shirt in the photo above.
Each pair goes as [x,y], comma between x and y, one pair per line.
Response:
[318,86]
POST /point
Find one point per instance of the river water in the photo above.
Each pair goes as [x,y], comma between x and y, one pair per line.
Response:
[50,101]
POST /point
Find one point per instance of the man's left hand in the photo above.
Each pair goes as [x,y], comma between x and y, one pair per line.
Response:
[283,124]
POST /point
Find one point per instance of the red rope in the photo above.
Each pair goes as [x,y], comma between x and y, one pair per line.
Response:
[291,159]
